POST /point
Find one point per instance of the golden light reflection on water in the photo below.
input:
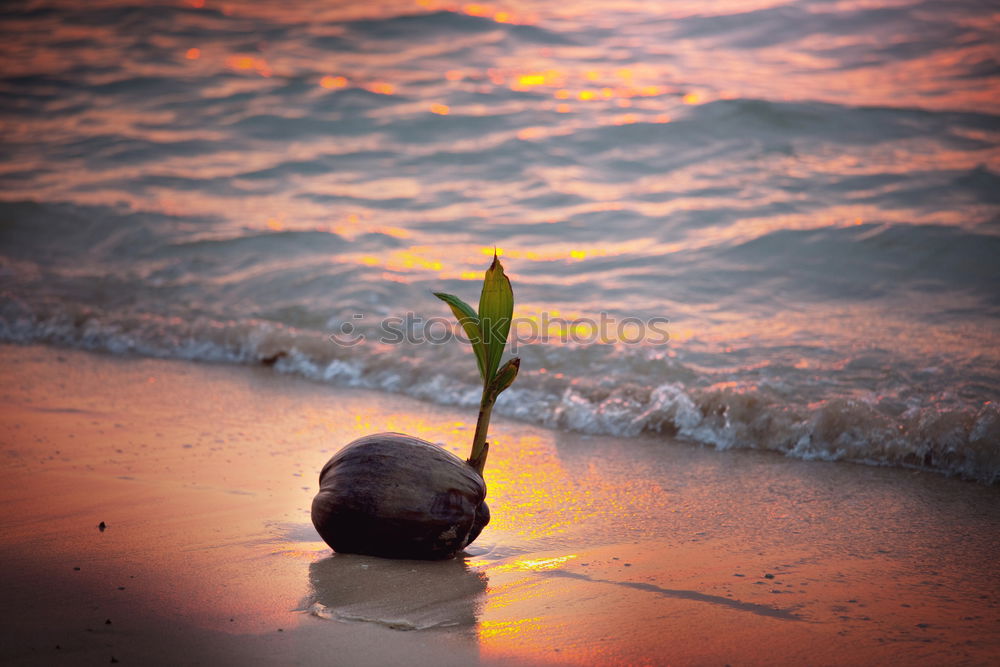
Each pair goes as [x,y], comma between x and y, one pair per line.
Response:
[498,13]
[540,79]
[405,260]
[381,87]
[249,63]
[412,261]
[332,82]
[608,87]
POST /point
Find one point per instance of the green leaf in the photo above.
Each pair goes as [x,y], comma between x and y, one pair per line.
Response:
[470,323]
[505,377]
[496,308]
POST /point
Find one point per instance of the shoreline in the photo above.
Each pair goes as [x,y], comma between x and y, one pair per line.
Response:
[954,442]
[602,550]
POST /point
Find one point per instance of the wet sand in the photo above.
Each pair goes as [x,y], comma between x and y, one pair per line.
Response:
[601,551]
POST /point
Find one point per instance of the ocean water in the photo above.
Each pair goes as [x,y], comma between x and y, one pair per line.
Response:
[803,197]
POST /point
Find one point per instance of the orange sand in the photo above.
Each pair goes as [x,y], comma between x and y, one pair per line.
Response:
[601,552]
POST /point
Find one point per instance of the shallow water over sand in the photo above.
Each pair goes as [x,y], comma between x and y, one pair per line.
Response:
[805,191]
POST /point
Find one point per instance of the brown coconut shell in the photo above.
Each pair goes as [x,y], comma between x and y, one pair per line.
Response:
[397,496]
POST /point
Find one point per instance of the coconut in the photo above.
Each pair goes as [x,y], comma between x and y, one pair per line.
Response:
[397,496]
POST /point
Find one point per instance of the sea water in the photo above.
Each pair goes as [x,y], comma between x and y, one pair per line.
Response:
[763,224]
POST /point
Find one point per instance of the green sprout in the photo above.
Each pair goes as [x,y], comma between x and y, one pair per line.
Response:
[487,331]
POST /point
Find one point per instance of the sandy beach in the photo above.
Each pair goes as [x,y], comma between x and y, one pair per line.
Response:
[601,551]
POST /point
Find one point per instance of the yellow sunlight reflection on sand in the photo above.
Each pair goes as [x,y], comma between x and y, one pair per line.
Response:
[552,501]
[491,629]
[534,565]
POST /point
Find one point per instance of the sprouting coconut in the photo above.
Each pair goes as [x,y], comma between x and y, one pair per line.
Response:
[398,496]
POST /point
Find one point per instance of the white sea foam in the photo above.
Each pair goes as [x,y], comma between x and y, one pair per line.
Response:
[955,441]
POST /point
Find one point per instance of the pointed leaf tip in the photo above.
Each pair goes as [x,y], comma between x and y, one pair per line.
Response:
[496,309]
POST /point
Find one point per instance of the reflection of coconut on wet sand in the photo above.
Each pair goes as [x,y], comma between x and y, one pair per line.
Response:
[402,595]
